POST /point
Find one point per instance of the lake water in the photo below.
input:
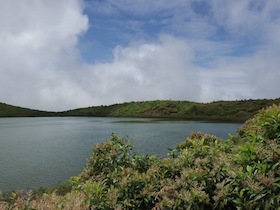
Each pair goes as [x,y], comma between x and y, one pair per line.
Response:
[47,151]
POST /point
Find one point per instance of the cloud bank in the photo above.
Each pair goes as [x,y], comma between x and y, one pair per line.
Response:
[144,71]
[200,51]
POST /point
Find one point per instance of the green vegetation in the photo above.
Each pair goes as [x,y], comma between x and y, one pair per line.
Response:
[203,172]
[226,111]
[231,111]
[14,111]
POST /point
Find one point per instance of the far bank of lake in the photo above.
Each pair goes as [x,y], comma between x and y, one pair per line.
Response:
[47,151]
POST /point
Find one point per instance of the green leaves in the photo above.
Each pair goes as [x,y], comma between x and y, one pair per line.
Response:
[266,124]
[203,172]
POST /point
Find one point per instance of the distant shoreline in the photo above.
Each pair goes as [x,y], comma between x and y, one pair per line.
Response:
[218,111]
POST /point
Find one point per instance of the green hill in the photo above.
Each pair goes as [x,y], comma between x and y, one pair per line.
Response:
[232,111]
[15,111]
[227,111]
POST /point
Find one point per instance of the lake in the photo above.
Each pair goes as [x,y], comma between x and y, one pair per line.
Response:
[47,151]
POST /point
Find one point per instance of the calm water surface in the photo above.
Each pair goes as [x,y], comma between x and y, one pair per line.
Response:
[44,152]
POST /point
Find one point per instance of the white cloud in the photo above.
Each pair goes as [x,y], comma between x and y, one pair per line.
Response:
[38,50]
[144,71]
[254,76]
[41,67]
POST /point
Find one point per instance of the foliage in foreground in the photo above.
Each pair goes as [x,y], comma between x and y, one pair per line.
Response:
[203,172]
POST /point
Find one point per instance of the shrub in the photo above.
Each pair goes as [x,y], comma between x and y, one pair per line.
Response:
[265,124]
[203,172]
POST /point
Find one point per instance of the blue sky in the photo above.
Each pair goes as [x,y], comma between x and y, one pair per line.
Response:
[58,55]
[113,24]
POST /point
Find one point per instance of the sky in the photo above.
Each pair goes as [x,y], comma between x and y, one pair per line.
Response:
[64,54]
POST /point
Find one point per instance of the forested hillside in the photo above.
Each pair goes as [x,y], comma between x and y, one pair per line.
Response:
[15,111]
[227,111]
[232,111]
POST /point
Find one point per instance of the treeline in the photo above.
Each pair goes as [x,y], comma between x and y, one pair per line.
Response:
[226,111]
[231,111]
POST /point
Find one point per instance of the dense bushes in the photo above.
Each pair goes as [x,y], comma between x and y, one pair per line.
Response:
[203,172]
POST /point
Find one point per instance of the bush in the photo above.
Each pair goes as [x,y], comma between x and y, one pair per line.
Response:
[265,125]
[203,172]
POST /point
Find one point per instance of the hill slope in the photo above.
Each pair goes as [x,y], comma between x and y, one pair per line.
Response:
[15,111]
[234,111]
[228,111]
